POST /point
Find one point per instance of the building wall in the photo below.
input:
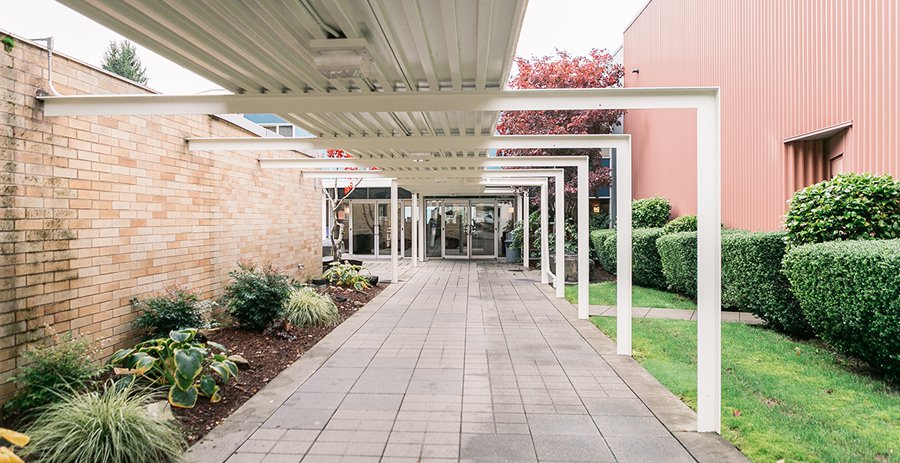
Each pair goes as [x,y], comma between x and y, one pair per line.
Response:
[785,68]
[95,211]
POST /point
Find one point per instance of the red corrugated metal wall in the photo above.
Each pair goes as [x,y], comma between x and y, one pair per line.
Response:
[786,68]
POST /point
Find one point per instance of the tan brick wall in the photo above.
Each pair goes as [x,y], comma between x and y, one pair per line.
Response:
[95,211]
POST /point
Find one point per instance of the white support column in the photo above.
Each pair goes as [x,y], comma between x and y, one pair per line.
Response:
[623,251]
[414,215]
[709,269]
[422,230]
[560,271]
[584,268]
[545,240]
[395,270]
[526,239]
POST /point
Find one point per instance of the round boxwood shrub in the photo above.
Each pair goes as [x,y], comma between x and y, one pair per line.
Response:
[597,239]
[849,292]
[650,212]
[681,224]
[175,310]
[752,280]
[846,207]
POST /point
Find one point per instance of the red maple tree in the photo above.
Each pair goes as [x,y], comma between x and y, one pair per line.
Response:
[563,70]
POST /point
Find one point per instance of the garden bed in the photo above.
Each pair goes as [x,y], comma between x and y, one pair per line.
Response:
[268,353]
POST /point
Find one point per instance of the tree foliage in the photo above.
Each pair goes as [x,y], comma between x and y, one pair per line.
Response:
[563,70]
[122,59]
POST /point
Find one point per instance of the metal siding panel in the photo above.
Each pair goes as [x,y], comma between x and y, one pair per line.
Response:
[785,68]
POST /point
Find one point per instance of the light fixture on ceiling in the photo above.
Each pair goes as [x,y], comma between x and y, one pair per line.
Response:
[341,58]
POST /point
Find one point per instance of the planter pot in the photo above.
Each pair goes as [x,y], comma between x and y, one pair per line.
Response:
[513,255]
[373,280]
[318,282]
[356,262]
[570,266]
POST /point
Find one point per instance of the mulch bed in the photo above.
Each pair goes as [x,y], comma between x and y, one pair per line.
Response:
[269,353]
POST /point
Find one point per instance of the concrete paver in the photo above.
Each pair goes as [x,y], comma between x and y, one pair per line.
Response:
[462,361]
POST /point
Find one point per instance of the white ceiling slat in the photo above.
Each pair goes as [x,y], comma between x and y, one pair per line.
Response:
[301,17]
[202,17]
[184,54]
[452,43]
[485,18]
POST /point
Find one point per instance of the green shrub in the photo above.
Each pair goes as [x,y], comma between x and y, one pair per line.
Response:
[348,275]
[181,363]
[681,224]
[599,221]
[650,212]
[752,280]
[678,259]
[305,306]
[62,366]
[646,267]
[597,238]
[177,309]
[255,296]
[850,294]
[608,253]
[112,426]
[846,207]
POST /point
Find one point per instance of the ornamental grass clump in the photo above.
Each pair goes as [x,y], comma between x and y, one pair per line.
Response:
[113,425]
[306,307]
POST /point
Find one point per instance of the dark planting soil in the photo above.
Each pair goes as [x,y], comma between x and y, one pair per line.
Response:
[269,353]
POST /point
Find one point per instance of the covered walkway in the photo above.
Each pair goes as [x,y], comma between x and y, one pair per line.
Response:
[470,361]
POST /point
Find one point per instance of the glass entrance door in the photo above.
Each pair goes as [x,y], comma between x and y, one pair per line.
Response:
[384,229]
[456,229]
[470,229]
[434,237]
[364,228]
[483,237]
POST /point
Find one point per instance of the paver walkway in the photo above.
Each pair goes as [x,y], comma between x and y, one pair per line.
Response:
[463,361]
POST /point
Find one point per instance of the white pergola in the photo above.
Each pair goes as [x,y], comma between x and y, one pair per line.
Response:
[391,155]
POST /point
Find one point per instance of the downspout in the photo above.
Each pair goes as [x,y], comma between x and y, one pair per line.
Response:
[49,42]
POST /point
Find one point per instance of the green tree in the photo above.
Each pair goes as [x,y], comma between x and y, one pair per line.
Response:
[122,59]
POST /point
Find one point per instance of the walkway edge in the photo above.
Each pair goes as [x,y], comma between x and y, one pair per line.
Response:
[675,415]
[224,439]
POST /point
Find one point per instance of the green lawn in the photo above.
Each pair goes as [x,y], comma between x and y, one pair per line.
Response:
[782,399]
[605,294]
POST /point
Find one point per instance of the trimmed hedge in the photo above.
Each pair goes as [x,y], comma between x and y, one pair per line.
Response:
[646,267]
[650,212]
[752,280]
[850,293]
[678,258]
[681,224]
[597,239]
[847,207]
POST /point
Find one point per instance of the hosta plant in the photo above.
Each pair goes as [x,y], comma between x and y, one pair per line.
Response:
[305,306]
[348,275]
[8,455]
[181,363]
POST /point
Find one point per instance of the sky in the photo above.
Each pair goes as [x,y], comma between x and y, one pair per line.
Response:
[572,25]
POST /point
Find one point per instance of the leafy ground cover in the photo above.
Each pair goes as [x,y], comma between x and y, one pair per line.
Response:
[783,400]
[605,294]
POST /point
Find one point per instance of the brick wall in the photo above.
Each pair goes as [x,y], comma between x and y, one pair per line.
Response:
[95,211]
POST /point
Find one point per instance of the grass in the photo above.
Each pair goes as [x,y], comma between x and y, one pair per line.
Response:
[782,399]
[605,294]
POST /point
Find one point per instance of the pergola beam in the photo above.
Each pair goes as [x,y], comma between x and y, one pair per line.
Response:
[310,103]
[411,144]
